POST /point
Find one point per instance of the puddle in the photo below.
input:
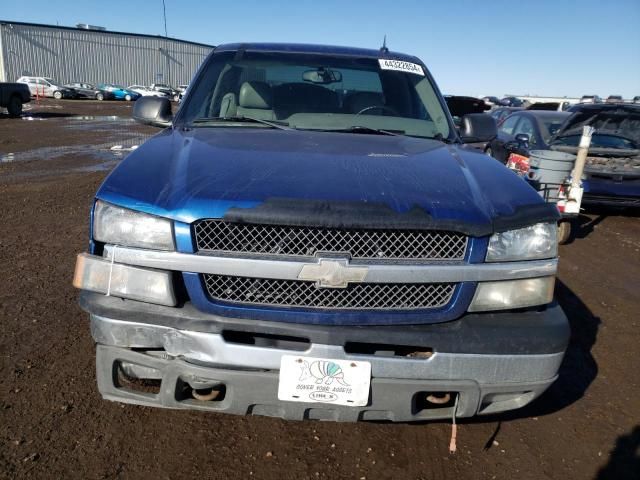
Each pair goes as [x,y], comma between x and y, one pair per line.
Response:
[103,141]
[105,151]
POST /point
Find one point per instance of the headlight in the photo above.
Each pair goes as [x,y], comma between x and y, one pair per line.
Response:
[121,226]
[530,243]
[511,294]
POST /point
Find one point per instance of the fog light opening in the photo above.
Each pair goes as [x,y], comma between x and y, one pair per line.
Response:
[433,401]
[135,378]
[202,392]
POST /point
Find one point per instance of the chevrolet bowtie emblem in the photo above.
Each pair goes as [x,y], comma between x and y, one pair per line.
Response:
[332,273]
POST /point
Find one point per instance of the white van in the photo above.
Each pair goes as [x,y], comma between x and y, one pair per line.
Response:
[46,87]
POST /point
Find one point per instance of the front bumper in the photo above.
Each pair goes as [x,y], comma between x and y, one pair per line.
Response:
[494,362]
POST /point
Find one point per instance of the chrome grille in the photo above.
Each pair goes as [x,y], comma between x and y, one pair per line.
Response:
[221,236]
[296,293]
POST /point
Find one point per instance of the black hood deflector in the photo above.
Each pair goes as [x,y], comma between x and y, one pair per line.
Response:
[358,215]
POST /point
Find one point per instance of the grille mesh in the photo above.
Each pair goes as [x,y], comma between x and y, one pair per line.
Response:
[218,235]
[295,293]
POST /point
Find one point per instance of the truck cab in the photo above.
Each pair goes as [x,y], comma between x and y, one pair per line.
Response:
[307,238]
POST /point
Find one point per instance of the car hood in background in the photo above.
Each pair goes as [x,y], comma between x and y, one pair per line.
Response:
[207,172]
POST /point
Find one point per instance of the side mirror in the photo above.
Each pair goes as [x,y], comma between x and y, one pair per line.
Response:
[522,138]
[155,111]
[478,127]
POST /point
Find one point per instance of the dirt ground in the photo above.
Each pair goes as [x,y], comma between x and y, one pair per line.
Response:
[53,423]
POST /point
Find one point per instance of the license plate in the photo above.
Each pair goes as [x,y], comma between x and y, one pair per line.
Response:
[323,380]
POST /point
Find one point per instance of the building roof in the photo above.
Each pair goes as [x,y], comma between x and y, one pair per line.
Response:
[108,32]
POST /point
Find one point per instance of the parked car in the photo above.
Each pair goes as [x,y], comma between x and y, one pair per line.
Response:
[636,99]
[182,89]
[513,102]
[550,106]
[614,99]
[119,92]
[12,96]
[524,130]
[46,87]
[492,101]
[88,90]
[289,249]
[146,91]
[590,99]
[171,92]
[612,171]
[499,114]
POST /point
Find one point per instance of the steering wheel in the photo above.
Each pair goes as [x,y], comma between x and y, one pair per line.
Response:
[378,107]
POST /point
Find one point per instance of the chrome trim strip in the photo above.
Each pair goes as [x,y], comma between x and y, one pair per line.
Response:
[290,270]
[212,349]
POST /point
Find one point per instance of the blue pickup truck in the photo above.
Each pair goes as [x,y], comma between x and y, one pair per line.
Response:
[308,239]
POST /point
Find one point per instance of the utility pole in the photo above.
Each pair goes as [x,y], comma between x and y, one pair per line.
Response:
[164,13]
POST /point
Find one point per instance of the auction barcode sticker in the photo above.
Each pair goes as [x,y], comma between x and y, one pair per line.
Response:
[400,66]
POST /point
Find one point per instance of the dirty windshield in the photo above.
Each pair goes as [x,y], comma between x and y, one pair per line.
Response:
[317,92]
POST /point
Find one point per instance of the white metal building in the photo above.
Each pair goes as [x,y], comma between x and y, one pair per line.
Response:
[94,55]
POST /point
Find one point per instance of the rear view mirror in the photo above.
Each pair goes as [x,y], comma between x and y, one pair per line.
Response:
[478,127]
[322,75]
[154,111]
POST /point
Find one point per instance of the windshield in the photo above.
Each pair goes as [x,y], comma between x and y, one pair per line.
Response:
[550,127]
[317,92]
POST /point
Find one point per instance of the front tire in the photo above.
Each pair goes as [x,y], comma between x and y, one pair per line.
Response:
[127,98]
[15,106]
[100,96]
[57,95]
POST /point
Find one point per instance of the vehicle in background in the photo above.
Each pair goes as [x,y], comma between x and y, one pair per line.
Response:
[636,99]
[88,90]
[119,92]
[550,106]
[46,87]
[614,99]
[513,102]
[590,99]
[523,131]
[282,232]
[492,101]
[146,91]
[171,92]
[612,171]
[459,106]
[182,89]
[500,113]
[12,96]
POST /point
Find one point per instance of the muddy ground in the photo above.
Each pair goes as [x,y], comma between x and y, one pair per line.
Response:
[53,423]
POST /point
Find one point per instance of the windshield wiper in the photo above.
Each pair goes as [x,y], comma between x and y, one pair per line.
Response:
[363,129]
[272,123]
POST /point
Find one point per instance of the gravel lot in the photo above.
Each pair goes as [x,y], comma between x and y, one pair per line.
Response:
[53,423]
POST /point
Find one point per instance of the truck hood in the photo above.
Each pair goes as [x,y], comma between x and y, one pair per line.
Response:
[322,178]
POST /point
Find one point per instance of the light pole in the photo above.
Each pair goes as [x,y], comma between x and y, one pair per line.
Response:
[164,14]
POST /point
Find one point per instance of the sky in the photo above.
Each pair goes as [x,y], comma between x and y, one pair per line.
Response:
[491,47]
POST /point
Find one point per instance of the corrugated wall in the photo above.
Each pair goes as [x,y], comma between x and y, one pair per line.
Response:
[70,55]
